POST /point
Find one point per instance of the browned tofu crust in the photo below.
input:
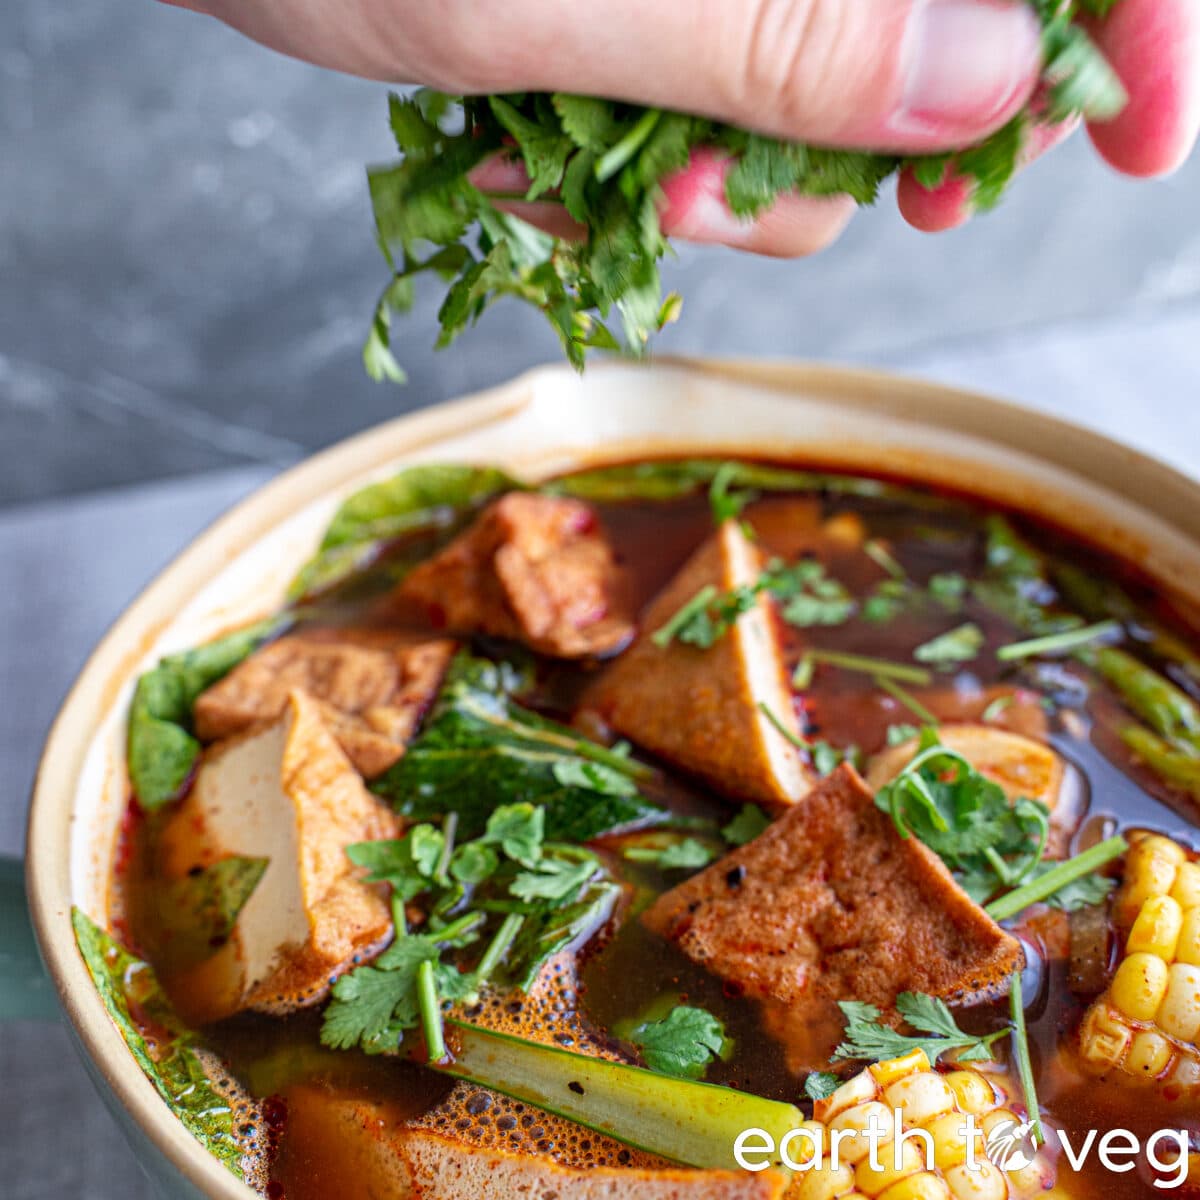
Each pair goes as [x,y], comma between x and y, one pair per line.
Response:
[536,569]
[830,903]
[699,709]
[372,691]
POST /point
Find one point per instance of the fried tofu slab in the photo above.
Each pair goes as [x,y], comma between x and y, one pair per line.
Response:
[830,903]
[535,569]
[372,691]
[702,709]
[289,794]
[365,1154]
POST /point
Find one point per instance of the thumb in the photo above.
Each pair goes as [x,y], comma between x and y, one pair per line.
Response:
[904,75]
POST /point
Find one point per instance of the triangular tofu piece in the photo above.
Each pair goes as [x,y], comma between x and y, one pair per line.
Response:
[702,709]
[830,903]
[287,793]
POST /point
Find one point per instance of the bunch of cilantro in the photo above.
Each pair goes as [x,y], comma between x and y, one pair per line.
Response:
[603,162]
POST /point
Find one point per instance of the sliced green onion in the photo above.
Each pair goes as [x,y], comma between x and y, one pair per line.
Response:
[1057,878]
[498,947]
[1059,643]
[909,701]
[1024,1062]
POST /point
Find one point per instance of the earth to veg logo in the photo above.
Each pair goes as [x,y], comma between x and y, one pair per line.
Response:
[1011,1146]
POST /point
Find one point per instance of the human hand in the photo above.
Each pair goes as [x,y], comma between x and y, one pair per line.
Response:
[907,76]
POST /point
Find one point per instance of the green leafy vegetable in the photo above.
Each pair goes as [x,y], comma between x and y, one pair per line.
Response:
[480,750]
[432,499]
[808,597]
[959,645]
[707,617]
[683,1043]
[820,1085]
[989,842]
[746,826]
[671,852]
[604,162]
[171,1062]
[726,503]
[868,1040]
[161,749]
[200,910]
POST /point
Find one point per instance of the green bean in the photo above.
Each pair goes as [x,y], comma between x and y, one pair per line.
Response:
[1168,711]
[1179,767]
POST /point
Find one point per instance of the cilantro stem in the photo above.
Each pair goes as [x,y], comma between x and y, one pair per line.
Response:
[399,916]
[449,829]
[456,929]
[881,668]
[663,636]
[909,701]
[617,156]
[431,1013]
[1057,878]
[775,720]
[1059,643]
[498,947]
[1024,1063]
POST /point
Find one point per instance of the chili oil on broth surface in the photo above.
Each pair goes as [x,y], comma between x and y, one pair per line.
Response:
[863,543]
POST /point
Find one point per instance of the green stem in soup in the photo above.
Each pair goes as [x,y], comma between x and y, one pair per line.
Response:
[1060,643]
[880,668]
[1056,878]
[431,1013]
[1024,1062]
[680,1119]
[909,701]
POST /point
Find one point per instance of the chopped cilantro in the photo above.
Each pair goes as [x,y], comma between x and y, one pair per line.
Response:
[868,1040]
[683,1043]
[960,645]
[746,826]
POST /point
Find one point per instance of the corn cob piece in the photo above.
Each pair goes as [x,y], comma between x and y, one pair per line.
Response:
[1146,1027]
[930,1102]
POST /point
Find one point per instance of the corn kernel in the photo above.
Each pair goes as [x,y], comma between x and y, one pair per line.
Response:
[986,1183]
[973,1092]
[1033,1179]
[949,1133]
[1179,1014]
[1104,1038]
[1186,889]
[918,1187]
[857,1090]
[920,1097]
[1187,1072]
[823,1183]
[1188,950]
[1139,986]
[999,1116]
[1149,871]
[911,1157]
[1149,1055]
[896,1068]
[1157,928]
[853,1150]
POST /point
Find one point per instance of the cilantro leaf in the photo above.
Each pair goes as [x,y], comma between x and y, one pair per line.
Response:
[554,879]
[746,826]
[959,645]
[684,1043]
[868,1040]
[820,1085]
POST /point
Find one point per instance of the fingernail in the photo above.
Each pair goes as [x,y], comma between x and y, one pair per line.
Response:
[970,62]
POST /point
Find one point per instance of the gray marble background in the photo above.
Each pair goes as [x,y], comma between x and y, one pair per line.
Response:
[186,270]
